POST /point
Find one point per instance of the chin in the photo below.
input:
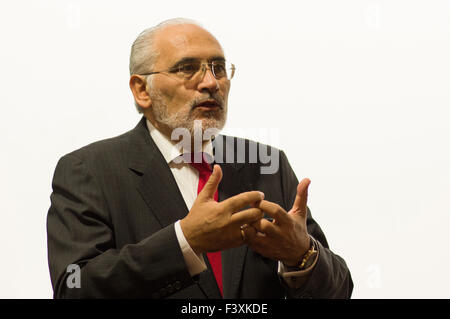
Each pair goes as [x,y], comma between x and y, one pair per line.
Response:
[210,123]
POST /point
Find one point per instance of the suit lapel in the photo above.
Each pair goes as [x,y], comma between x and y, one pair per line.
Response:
[157,185]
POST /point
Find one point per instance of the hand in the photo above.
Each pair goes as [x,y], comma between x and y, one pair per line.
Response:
[212,226]
[285,238]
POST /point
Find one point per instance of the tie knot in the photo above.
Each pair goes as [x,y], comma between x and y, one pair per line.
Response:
[200,163]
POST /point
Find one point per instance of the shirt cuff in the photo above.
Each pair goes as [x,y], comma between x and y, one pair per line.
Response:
[194,262]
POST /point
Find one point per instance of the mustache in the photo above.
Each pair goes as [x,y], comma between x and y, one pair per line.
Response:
[211,98]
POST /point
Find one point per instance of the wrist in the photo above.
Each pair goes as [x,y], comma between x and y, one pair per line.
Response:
[301,260]
[184,225]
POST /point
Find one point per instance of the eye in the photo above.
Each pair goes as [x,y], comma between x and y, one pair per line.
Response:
[188,68]
[219,69]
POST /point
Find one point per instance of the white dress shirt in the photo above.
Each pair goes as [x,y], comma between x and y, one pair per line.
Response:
[187,179]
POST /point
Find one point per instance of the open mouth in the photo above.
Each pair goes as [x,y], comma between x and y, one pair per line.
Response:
[209,104]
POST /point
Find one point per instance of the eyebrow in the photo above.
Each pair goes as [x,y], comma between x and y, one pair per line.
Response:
[192,59]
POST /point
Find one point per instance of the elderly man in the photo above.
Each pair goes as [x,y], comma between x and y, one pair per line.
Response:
[136,216]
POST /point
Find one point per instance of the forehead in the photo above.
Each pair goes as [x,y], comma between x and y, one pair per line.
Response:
[179,41]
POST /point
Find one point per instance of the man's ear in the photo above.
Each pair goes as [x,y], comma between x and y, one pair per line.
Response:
[138,85]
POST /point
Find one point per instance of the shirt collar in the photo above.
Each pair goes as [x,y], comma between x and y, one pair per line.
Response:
[168,148]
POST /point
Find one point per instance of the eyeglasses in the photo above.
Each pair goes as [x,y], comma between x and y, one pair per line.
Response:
[188,70]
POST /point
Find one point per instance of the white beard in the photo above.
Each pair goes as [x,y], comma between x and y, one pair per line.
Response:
[185,117]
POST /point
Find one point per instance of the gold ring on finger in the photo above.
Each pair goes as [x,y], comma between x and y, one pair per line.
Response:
[243,233]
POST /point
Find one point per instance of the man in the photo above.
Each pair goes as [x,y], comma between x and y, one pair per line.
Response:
[125,215]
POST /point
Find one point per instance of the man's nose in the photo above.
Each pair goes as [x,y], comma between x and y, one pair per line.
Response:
[208,81]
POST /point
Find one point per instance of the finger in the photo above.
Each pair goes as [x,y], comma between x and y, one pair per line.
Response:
[211,185]
[249,233]
[301,198]
[264,226]
[247,216]
[259,244]
[275,211]
[242,200]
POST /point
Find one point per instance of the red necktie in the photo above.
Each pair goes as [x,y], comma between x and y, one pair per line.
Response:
[215,258]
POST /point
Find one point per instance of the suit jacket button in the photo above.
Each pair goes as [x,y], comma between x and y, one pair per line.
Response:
[177,285]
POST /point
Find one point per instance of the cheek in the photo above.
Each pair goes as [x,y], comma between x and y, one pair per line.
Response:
[225,89]
[175,97]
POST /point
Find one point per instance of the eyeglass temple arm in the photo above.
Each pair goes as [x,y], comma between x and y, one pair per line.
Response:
[148,73]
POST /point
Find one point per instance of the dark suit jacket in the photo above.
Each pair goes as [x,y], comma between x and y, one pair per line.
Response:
[113,208]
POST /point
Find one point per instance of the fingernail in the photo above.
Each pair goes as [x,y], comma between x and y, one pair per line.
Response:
[262,195]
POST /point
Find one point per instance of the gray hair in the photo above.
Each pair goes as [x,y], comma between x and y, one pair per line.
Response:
[143,56]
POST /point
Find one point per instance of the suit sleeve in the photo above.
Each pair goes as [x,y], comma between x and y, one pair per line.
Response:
[80,232]
[330,277]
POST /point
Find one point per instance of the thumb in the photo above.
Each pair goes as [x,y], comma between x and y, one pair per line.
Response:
[301,198]
[211,185]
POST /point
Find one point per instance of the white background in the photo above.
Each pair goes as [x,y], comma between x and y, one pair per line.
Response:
[356,93]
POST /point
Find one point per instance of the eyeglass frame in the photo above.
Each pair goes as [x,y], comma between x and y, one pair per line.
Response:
[209,65]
